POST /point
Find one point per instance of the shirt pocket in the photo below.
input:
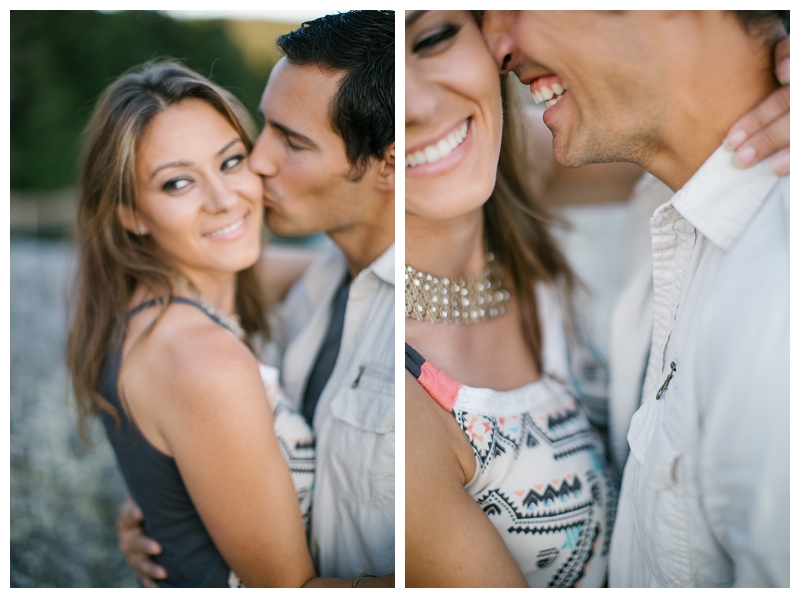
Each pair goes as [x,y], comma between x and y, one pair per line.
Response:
[362,434]
[660,504]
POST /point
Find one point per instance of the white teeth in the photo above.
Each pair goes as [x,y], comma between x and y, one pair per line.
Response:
[551,103]
[545,95]
[443,148]
[227,229]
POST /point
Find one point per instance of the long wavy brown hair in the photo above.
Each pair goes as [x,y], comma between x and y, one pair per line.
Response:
[113,261]
[517,226]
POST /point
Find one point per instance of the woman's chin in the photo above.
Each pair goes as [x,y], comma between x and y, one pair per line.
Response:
[448,199]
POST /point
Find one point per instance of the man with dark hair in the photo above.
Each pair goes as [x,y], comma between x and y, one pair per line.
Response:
[705,492]
[356,44]
[326,158]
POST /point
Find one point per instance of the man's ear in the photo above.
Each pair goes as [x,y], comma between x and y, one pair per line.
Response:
[129,221]
[386,171]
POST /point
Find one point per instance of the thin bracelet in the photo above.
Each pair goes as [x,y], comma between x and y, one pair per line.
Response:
[360,577]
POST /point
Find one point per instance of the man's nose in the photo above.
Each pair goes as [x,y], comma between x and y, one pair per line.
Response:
[496,29]
[261,161]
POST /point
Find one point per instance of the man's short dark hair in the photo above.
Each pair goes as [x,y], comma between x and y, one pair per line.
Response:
[360,43]
[771,25]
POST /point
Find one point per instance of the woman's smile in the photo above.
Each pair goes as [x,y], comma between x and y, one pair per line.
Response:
[439,157]
[229,232]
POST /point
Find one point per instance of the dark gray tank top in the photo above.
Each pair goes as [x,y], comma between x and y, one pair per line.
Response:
[153,479]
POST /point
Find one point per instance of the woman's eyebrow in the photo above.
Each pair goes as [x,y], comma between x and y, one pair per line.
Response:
[414,17]
[176,164]
[184,163]
[228,145]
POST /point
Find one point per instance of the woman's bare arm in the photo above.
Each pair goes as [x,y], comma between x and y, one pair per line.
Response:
[450,541]
[215,419]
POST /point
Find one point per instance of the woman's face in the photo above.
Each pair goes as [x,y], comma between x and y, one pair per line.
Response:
[453,115]
[195,194]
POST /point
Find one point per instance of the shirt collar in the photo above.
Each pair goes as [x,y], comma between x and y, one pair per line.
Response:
[383,267]
[720,199]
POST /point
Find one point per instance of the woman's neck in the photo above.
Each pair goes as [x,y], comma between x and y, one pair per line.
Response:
[217,287]
[454,248]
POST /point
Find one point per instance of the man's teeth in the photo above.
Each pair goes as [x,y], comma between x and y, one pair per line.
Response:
[442,149]
[227,229]
[549,96]
[553,102]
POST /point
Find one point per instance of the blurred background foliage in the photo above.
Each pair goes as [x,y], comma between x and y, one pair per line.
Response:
[62,60]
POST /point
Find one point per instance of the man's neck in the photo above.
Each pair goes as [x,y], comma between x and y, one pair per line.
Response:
[720,80]
[366,241]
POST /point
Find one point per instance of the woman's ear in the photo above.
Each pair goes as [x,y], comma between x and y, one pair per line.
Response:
[386,171]
[129,221]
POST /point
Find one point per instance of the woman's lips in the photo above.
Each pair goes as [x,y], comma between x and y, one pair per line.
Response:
[443,160]
[229,232]
[434,152]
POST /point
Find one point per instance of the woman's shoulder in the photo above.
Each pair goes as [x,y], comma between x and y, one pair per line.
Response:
[189,356]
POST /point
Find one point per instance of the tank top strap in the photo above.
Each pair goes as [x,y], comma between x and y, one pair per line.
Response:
[440,385]
[172,299]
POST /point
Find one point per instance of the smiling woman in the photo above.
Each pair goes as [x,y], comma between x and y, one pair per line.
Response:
[167,313]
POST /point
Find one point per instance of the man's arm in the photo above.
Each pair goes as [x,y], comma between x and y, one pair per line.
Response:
[280,268]
[384,581]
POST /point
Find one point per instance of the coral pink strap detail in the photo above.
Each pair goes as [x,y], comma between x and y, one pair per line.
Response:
[441,386]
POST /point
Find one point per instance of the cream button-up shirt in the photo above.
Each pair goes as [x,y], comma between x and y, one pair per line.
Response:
[352,516]
[705,493]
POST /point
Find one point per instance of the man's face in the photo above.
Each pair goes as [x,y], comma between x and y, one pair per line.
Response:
[302,160]
[613,107]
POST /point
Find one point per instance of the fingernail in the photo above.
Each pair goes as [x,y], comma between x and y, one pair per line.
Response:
[782,71]
[780,164]
[744,157]
[735,139]
[155,548]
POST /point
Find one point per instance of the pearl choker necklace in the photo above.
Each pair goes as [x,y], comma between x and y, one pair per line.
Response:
[229,321]
[468,300]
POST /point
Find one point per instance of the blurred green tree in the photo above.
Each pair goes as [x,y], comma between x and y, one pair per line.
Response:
[62,60]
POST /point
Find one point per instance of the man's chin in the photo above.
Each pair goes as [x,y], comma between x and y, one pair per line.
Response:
[569,152]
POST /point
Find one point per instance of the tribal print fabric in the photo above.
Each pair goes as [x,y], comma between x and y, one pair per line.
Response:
[541,472]
[541,475]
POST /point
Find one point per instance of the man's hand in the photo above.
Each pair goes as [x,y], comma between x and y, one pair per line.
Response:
[764,131]
[137,547]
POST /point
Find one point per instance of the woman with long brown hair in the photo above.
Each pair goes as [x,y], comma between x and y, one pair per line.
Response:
[166,321]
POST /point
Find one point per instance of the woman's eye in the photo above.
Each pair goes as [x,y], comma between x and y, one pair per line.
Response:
[175,184]
[436,38]
[232,162]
